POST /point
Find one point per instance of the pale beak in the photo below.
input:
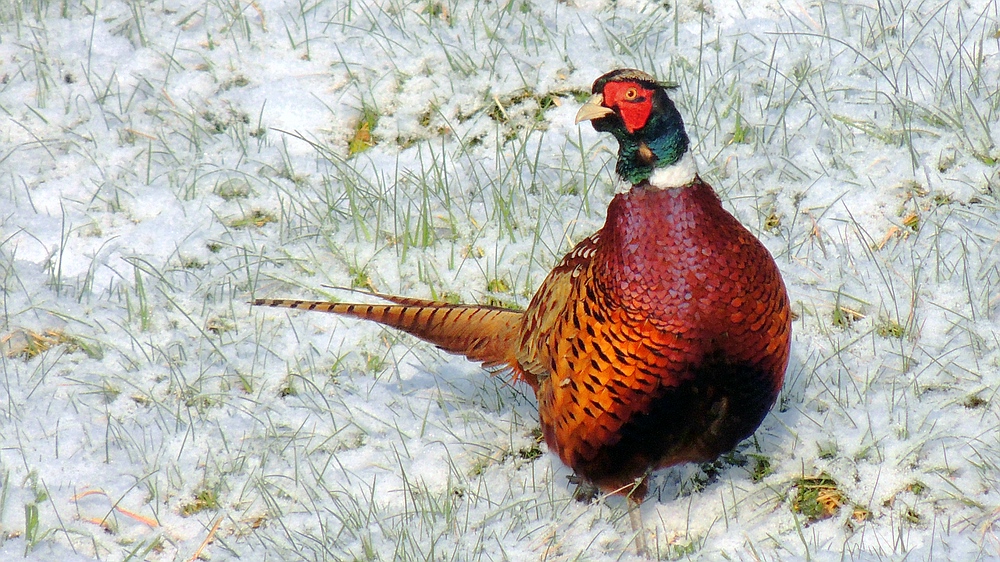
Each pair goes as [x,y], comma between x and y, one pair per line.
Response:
[593,109]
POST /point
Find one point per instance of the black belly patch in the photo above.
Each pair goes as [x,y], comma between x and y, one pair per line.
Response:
[704,417]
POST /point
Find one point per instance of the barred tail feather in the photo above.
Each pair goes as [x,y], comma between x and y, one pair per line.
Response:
[481,333]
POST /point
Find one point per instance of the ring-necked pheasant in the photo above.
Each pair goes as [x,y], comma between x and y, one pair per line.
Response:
[661,339]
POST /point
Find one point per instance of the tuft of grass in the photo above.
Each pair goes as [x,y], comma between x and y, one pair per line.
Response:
[220,325]
[287,388]
[908,512]
[28,344]
[109,391]
[772,223]
[233,188]
[33,534]
[890,329]
[236,81]
[363,137]
[527,108]
[256,218]
[498,286]
[205,499]
[682,549]
[760,467]
[534,450]
[31,526]
[471,251]
[360,278]
[530,453]
[820,497]
[374,362]
[827,450]
[449,297]
[974,402]
[844,317]
[219,123]
[817,497]
[192,263]
[942,199]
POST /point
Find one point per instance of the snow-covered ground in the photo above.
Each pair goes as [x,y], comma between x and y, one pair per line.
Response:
[163,161]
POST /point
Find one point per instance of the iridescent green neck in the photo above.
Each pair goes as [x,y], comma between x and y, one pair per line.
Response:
[658,145]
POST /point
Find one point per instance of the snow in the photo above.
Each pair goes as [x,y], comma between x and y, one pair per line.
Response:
[858,140]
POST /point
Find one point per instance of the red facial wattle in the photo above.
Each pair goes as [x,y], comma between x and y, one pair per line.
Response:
[634,103]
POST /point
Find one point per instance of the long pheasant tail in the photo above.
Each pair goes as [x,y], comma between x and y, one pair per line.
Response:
[481,333]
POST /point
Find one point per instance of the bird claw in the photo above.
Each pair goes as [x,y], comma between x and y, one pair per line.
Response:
[585,491]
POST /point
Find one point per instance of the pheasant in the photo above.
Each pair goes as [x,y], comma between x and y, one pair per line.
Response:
[661,339]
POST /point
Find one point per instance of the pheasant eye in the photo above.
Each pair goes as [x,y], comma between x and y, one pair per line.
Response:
[631,94]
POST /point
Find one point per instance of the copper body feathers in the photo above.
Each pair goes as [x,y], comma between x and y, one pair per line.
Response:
[662,338]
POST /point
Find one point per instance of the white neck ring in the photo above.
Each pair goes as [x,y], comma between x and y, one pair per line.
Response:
[678,174]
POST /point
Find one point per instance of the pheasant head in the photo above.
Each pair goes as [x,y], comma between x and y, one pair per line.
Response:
[635,108]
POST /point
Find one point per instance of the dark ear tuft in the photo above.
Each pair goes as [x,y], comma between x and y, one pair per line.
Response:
[623,74]
[645,155]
